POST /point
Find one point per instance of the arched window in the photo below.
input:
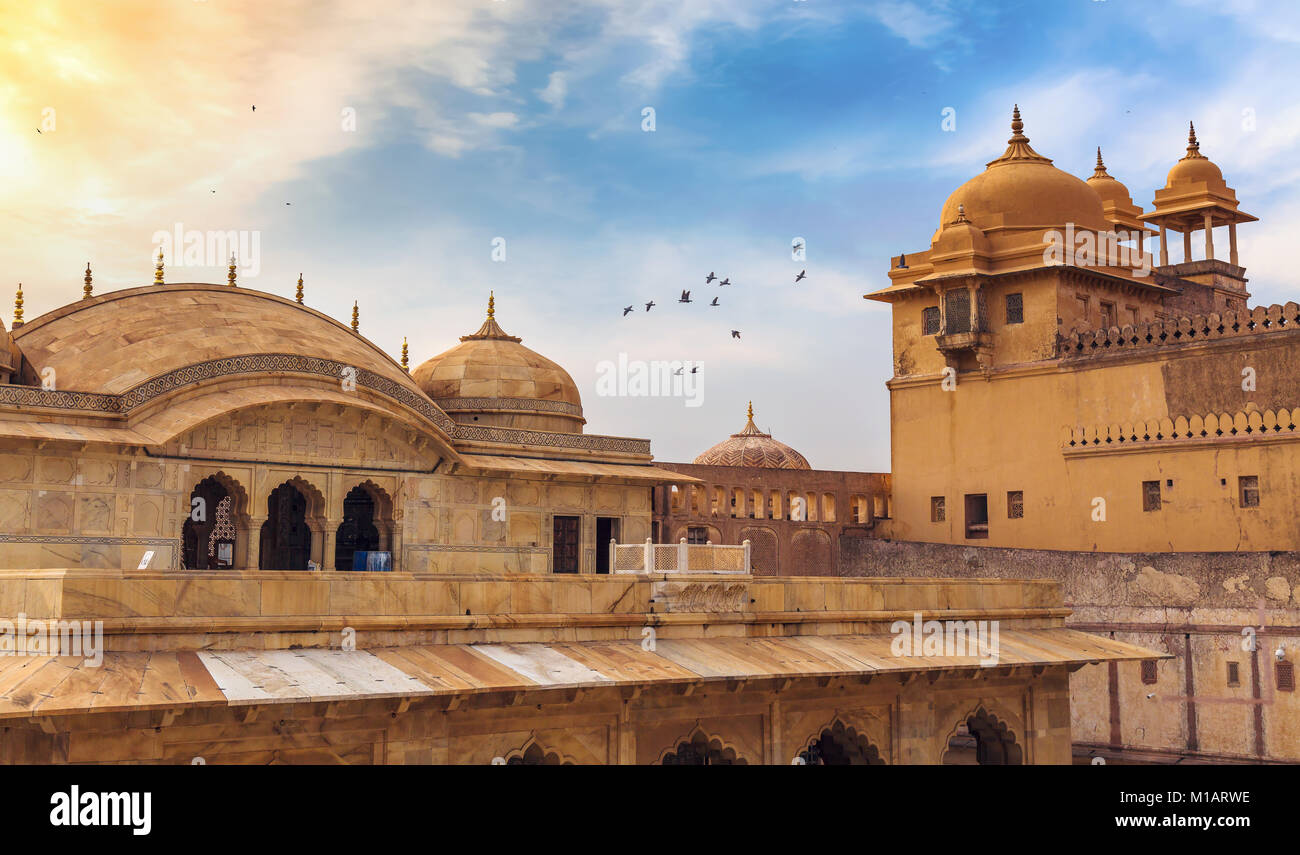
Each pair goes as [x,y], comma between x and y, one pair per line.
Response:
[828,507]
[774,505]
[756,505]
[699,749]
[840,745]
[737,502]
[982,740]
[208,535]
[285,536]
[357,532]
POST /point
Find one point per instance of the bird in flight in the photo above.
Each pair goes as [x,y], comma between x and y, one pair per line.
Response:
[685,298]
[695,370]
[735,333]
[797,245]
[626,311]
[649,305]
[38,130]
[801,275]
[726,281]
[709,278]
[715,302]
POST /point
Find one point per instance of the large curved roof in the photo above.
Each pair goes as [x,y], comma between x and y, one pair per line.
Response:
[752,447]
[1023,188]
[115,341]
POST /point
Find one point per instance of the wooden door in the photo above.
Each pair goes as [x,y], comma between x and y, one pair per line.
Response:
[565,548]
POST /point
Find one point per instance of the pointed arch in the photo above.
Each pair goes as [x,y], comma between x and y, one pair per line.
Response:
[533,753]
[840,744]
[981,738]
[699,748]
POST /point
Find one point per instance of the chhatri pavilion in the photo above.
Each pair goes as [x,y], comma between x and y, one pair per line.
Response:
[294,551]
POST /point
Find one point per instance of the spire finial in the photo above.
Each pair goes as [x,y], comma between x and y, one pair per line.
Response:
[406,364]
[18,307]
[230,277]
[1100,170]
[356,317]
[298,295]
[1193,147]
[86,291]
[158,269]
[1017,126]
[961,214]
[492,305]
[750,414]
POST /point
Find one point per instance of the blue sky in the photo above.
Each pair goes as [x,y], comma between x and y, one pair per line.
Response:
[523,120]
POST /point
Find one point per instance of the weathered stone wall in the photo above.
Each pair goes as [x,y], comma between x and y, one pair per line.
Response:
[1173,602]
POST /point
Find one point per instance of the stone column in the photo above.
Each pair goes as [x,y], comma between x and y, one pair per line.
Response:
[1232,243]
[1164,246]
[1209,235]
[253,549]
[1187,243]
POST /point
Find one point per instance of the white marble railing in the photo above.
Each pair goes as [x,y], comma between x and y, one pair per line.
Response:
[679,557]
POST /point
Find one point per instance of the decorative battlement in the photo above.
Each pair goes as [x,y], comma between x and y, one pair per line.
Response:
[1242,424]
[1174,331]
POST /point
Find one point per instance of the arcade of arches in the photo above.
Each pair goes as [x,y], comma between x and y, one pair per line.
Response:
[293,532]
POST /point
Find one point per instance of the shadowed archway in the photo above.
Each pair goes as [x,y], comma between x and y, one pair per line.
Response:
[983,740]
[841,745]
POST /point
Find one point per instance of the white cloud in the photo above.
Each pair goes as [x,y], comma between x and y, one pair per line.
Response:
[557,89]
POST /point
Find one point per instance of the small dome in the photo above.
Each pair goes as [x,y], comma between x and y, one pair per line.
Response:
[1194,167]
[752,447]
[960,236]
[491,379]
[1107,188]
[1022,188]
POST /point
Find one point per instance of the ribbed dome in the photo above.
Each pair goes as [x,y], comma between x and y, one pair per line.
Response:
[752,447]
[1194,167]
[1022,188]
[492,379]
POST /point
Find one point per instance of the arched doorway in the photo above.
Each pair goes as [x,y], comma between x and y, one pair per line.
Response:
[700,750]
[208,535]
[357,532]
[286,539]
[839,745]
[983,740]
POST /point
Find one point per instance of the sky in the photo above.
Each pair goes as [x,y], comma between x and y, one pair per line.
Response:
[413,156]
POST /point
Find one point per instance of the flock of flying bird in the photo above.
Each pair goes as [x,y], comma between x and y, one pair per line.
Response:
[686,296]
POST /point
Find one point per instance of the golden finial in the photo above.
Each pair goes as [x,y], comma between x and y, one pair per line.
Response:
[230,277]
[158,269]
[1100,170]
[492,305]
[405,360]
[1016,125]
[298,296]
[18,307]
[1193,147]
[356,317]
[751,411]
[86,291]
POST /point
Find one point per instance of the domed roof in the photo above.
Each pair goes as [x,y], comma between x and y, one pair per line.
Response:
[1194,167]
[1109,189]
[490,378]
[115,341]
[1022,188]
[752,447]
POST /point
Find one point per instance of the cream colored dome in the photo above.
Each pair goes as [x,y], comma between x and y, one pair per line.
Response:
[490,379]
[752,447]
[1022,188]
